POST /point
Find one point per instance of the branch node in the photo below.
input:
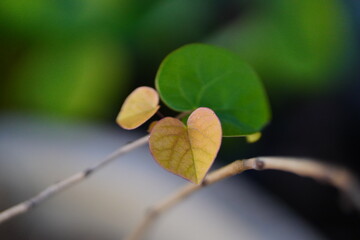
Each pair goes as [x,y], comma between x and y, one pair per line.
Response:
[152,212]
[259,164]
[31,204]
[205,182]
[88,172]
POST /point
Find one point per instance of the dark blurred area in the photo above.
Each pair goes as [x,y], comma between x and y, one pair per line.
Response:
[76,60]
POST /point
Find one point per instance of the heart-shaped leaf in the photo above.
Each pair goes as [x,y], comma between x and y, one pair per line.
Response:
[187,151]
[199,75]
[138,107]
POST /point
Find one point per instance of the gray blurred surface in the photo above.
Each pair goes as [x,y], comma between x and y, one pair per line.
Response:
[35,152]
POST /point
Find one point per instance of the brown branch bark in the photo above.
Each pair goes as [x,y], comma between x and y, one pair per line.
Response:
[339,177]
[68,182]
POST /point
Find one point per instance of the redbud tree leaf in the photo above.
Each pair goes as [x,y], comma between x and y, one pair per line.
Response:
[187,151]
[199,75]
[138,107]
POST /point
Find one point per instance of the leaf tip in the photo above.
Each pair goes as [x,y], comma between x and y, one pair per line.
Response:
[253,137]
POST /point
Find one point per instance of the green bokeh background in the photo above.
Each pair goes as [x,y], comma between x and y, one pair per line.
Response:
[77,60]
[80,58]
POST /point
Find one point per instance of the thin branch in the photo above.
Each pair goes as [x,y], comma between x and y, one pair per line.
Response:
[339,177]
[215,176]
[68,182]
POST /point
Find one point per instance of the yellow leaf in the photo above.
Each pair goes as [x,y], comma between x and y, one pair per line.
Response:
[187,151]
[253,137]
[138,107]
[151,126]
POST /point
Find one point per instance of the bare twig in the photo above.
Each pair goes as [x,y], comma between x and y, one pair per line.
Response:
[215,176]
[339,177]
[68,182]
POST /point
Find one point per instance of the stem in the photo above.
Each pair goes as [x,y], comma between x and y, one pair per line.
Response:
[182,114]
[160,114]
[29,204]
[339,177]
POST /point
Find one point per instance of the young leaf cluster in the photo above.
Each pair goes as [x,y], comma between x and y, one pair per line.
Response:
[223,94]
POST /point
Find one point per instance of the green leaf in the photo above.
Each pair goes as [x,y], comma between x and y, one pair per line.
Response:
[199,75]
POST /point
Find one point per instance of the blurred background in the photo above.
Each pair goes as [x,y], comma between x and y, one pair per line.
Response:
[67,65]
